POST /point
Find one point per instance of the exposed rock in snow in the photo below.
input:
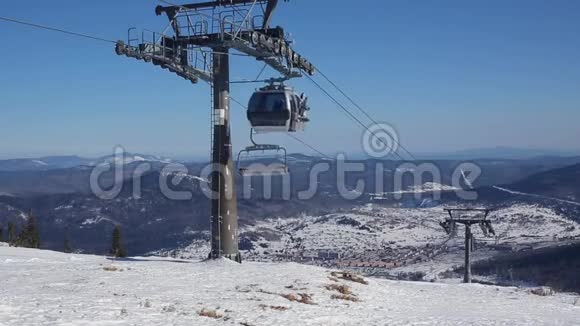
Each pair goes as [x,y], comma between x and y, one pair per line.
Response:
[543,291]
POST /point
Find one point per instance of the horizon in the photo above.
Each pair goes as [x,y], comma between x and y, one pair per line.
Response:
[508,153]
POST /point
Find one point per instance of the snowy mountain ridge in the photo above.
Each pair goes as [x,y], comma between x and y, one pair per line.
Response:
[385,233]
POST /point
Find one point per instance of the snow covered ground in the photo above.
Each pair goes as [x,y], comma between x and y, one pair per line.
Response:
[374,228]
[48,288]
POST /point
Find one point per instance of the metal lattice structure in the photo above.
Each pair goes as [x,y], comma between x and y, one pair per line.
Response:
[193,28]
[197,44]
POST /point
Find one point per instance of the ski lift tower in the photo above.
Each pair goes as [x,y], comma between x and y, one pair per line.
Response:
[197,44]
[467,217]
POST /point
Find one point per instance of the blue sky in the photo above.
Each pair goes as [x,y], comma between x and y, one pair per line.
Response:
[448,75]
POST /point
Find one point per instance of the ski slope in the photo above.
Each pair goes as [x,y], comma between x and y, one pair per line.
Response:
[537,196]
[48,288]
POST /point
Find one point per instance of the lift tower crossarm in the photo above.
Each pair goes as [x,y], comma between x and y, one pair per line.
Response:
[266,44]
[210,4]
[159,58]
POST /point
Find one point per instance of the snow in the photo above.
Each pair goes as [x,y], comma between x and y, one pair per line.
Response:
[90,221]
[128,159]
[537,196]
[191,177]
[427,187]
[49,288]
[521,223]
[38,162]
[97,220]
[197,249]
[63,207]
[370,233]
[386,241]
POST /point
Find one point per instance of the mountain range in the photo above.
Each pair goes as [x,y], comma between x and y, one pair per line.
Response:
[60,198]
[66,162]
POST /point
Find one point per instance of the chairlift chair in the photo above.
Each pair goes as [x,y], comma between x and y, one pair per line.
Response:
[450,227]
[272,160]
[487,228]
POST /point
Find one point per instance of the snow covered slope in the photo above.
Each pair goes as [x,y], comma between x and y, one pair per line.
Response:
[393,231]
[49,288]
[383,241]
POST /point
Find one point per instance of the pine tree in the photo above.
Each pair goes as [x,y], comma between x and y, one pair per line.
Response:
[1,233]
[11,234]
[66,245]
[117,248]
[29,237]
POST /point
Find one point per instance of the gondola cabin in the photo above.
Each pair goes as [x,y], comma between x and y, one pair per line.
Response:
[277,108]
